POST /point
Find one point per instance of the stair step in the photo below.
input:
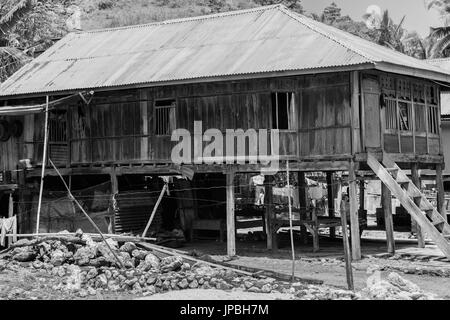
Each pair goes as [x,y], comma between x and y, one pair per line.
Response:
[429,212]
[393,172]
[439,225]
[404,184]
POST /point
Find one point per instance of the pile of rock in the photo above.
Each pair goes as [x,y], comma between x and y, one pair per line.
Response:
[85,267]
[88,267]
[394,287]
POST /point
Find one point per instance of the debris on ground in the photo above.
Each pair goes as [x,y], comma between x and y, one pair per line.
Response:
[394,287]
[81,267]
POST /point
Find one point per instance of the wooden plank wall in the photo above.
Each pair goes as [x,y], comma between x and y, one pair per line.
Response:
[118,126]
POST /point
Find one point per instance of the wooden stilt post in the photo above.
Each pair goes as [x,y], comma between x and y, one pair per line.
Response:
[268,200]
[231,229]
[354,219]
[388,219]
[414,225]
[303,201]
[362,203]
[114,193]
[330,195]
[440,192]
[44,160]
[347,253]
[291,231]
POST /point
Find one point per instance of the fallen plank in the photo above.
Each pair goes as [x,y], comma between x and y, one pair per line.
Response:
[118,237]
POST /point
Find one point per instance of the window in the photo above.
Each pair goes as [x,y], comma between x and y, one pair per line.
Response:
[391,114]
[420,118]
[165,121]
[404,110]
[57,127]
[284,115]
[433,120]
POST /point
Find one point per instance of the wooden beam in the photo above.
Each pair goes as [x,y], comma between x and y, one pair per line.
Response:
[330,196]
[362,202]
[154,210]
[303,201]
[354,219]
[44,160]
[414,225]
[268,199]
[386,198]
[231,229]
[347,253]
[440,192]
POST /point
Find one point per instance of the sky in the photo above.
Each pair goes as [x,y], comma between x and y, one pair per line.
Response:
[418,18]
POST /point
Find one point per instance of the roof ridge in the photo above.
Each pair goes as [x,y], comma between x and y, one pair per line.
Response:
[437,59]
[301,18]
[186,19]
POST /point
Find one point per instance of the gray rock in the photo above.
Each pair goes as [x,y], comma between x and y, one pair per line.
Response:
[92,291]
[151,280]
[152,260]
[92,273]
[108,274]
[24,255]
[193,284]
[171,263]
[139,254]
[185,266]
[267,288]
[254,289]
[222,285]
[128,247]
[83,255]
[57,257]
[103,281]
[183,284]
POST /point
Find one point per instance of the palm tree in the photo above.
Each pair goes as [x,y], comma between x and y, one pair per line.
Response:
[389,34]
[440,35]
[11,57]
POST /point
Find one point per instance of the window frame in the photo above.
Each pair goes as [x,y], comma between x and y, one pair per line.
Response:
[294,111]
[172,106]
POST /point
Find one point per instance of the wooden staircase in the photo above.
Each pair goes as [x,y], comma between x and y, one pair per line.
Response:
[424,213]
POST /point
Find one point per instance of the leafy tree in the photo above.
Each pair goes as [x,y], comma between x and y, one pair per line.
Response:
[27,26]
[331,13]
[11,58]
[440,36]
[294,5]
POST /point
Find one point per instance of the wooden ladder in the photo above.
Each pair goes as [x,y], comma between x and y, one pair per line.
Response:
[424,213]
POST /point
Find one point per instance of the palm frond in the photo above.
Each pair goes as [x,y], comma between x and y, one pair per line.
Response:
[11,59]
[14,14]
[439,32]
[440,46]
[399,26]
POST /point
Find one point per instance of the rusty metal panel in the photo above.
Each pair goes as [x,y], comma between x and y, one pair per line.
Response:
[260,40]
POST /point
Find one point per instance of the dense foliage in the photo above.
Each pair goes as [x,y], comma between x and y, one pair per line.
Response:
[28,27]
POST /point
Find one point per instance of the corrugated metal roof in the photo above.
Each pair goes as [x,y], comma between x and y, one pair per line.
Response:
[255,41]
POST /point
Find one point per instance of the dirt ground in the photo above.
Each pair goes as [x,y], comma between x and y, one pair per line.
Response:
[214,294]
[431,275]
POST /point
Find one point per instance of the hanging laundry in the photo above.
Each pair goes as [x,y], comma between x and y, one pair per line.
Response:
[8,225]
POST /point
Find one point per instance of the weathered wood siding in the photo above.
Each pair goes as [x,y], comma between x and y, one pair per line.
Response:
[119,126]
